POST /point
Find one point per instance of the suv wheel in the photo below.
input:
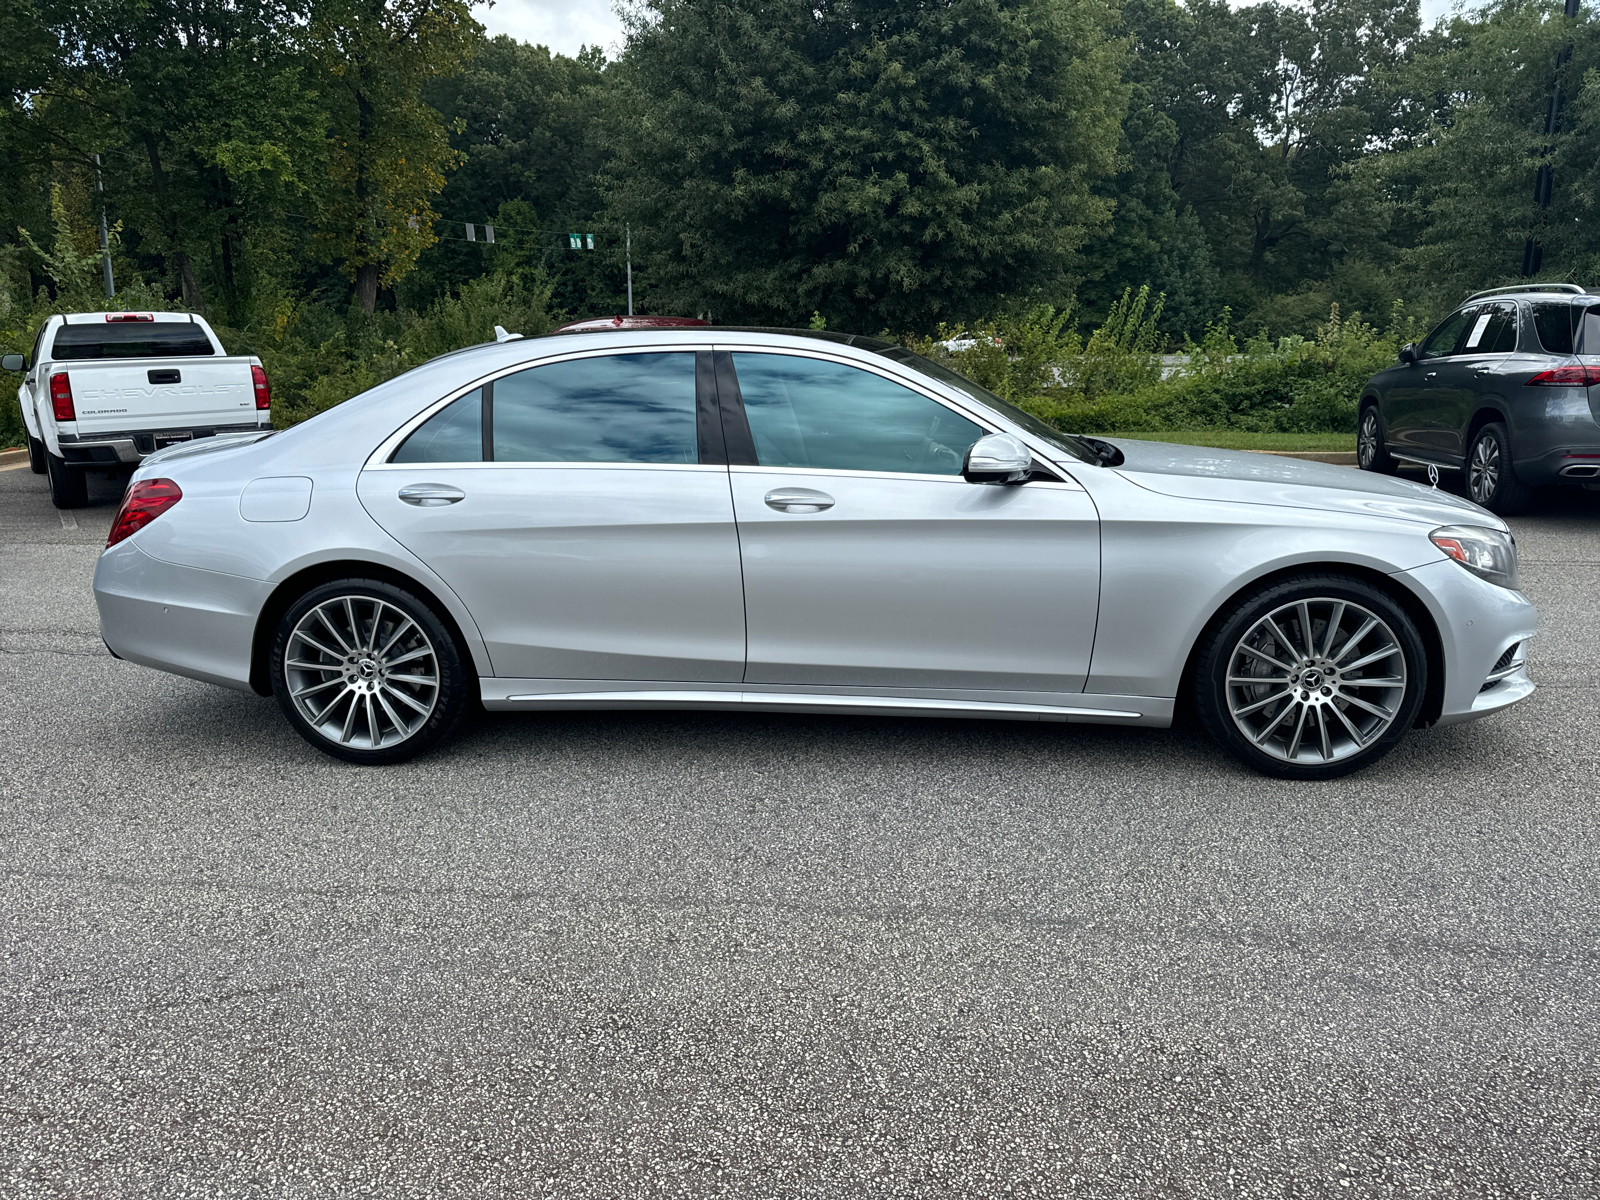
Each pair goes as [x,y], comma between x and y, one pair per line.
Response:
[36,454]
[1312,677]
[367,672]
[1371,452]
[69,486]
[1491,479]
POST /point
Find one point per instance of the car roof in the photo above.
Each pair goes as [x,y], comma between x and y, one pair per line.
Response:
[605,324]
[700,333]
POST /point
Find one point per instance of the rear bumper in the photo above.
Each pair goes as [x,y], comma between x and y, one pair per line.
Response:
[131,446]
[179,619]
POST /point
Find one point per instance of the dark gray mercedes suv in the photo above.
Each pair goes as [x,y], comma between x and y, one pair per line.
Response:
[1507,389]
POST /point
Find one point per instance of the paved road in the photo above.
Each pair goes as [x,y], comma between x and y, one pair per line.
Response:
[763,956]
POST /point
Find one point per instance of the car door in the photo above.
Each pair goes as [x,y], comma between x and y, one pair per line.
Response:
[579,512]
[1418,413]
[1470,379]
[869,562]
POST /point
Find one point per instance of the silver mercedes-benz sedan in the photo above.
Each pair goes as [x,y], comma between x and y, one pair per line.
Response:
[758,519]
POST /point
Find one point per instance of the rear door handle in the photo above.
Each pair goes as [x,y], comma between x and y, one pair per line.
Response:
[431,495]
[798,500]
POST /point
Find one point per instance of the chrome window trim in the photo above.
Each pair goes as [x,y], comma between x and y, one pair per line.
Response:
[1069,485]
[380,457]
[717,468]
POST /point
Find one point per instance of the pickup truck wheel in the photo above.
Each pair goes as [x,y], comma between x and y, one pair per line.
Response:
[36,455]
[69,487]
[367,672]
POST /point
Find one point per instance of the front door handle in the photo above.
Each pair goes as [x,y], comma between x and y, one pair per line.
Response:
[798,500]
[431,495]
[1431,375]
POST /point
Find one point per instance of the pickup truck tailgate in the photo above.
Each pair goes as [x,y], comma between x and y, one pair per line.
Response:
[157,393]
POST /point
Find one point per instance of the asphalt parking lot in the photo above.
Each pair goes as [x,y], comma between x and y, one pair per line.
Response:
[777,956]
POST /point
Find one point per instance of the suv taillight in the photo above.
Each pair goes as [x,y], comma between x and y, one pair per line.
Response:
[1577,376]
[258,376]
[61,397]
[145,501]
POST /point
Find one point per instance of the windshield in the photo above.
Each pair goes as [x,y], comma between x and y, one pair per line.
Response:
[1064,442]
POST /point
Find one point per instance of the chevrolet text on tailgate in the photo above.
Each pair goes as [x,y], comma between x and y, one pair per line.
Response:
[103,390]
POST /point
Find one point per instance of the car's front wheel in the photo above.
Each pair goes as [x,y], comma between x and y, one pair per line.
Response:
[367,672]
[1371,452]
[1312,677]
[1491,479]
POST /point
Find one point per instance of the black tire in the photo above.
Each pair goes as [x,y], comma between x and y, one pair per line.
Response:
[36,456]
[367,720]
[69,486]
[1491,477]
[1372,452]
[1355,737]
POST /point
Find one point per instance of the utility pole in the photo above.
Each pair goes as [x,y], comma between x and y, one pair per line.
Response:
[628,233]
[105,234]
[1543,179]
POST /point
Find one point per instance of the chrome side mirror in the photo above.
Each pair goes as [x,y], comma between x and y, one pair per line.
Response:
[997,458]
[12,362]
[1408,353]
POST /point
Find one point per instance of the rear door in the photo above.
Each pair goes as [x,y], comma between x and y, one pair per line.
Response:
[869,562]
[1474,377]
[580,509]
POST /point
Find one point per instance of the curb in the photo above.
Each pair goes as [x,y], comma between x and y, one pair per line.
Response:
[1339,458]
[7,457]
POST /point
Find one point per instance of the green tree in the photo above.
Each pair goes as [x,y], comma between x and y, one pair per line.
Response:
[883,164]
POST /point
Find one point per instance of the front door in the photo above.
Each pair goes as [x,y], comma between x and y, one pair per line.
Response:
[1419,409]
[566,504]
[870,563]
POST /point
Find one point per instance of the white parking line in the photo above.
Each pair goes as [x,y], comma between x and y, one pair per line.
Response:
[68,521]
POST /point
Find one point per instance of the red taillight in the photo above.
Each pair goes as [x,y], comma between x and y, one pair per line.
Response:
[130,316]
[258,376]
[1583,376]
[61,397]
[145,501]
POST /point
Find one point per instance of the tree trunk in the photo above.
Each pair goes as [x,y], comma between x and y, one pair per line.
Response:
[192,299]
[367,287]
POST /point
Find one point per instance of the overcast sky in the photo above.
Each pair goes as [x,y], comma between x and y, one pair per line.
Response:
[567,25]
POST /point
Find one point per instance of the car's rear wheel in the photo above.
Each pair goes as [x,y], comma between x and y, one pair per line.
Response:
[69,486]
[36,455]
[367,672]
[1372,454]
[1311,678]
[1491,479]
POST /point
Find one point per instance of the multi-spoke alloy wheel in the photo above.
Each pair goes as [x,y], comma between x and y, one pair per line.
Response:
[1491,479]
[366,671]
[1313,681]
[1371,453]
[1483,471]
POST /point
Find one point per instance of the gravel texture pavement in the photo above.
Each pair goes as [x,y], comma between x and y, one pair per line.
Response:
[642,955]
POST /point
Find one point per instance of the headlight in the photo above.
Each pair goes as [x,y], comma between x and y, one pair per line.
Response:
[1487,553]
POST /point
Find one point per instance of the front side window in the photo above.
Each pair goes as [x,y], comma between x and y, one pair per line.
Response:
[1442,341]
[620,408]
[805,412]
[453,434]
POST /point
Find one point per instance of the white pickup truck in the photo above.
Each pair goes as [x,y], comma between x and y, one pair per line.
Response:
[102,390]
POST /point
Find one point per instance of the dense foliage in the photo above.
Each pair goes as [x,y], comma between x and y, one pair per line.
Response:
[1092,180]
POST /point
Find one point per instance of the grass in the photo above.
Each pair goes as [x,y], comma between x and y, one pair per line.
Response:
[1239,439]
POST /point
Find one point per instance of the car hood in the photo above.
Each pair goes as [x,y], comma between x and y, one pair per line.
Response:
[1200,473]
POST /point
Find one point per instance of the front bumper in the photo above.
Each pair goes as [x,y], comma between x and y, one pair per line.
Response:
[1478,624]
[179,619]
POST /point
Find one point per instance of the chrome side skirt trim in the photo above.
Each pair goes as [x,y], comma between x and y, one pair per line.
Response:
[1423,462]
[757,701]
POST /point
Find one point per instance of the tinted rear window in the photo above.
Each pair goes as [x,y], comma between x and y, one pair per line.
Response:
[135,339]
[1553,324]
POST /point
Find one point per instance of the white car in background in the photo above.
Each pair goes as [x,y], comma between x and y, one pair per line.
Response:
[104,390]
